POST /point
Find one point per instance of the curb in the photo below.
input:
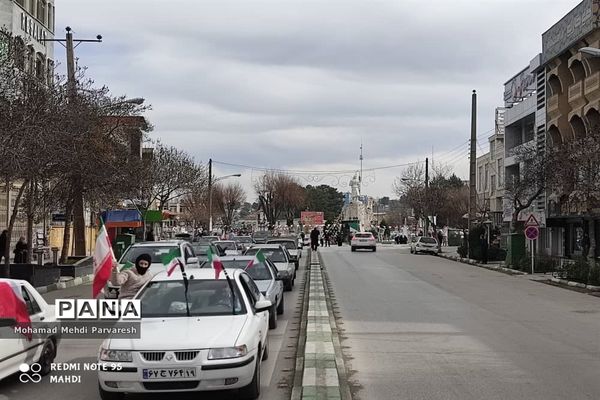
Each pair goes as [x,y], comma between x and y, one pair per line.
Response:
[299,371]
[468,261]
[80,280]
[565,282]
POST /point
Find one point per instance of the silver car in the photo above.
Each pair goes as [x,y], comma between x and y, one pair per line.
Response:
[265,277]
[292,248]
[279,255]
[424,244]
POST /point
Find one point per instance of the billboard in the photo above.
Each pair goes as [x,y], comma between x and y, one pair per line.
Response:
[312,218]
[572,27]
[519,87]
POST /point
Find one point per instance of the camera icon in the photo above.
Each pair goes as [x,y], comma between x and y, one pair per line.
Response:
[30,373]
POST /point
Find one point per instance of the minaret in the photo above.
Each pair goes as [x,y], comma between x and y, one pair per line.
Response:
[361,168]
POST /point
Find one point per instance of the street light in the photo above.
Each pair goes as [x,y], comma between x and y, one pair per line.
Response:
[210,182]
[590,51]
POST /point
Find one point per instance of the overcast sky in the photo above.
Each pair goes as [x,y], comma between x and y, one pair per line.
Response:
[298,84]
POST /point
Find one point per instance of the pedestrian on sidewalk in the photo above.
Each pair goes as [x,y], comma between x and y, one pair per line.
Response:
[132,279]
[314,239]
[484,249]
[20,251]
[327,239]
[3,237]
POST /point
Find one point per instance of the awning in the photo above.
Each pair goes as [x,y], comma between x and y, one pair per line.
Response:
[122,219]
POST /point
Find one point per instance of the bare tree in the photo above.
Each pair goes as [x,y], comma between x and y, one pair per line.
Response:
[228,200]
[278,195]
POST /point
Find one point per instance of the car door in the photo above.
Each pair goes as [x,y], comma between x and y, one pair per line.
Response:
[260,321]
[290,265]
[277,284]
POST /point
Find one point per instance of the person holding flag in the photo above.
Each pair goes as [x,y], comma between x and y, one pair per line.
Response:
[132,279]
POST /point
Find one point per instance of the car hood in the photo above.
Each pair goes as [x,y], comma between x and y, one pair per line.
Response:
[184,333]
[263,285]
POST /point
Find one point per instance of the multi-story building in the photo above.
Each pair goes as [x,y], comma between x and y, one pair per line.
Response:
[490,174]
[32,21]
[573,108]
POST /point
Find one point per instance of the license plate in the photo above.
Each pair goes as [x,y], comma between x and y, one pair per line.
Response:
[169,373]
[363,240]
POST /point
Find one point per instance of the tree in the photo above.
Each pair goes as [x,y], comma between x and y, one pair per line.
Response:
[278,195]
[325,198]
[228,199]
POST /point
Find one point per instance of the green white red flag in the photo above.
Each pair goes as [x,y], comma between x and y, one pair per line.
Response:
[215,262]
[171,260]
[104,258]
[13,306]
[259,257]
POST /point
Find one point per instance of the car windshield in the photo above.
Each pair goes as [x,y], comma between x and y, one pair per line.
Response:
[243,239]
[209,297]
[227,245]
[286,243]
[258,271]
[428,240]
[275,255]
[200,249]
[156,253]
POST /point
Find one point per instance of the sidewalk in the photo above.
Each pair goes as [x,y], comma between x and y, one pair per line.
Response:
[491,265]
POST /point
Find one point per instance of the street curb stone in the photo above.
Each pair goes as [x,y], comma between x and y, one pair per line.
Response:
[80,280]
[486,266]
[565,282]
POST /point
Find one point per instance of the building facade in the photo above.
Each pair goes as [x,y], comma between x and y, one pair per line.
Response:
[490,174]
[572,82]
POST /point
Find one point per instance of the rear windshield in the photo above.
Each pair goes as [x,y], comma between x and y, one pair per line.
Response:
[227,245]
[258,271]
[275,255]
[363,235]
[156,253]
[288,244]
[428,240]
[243,239]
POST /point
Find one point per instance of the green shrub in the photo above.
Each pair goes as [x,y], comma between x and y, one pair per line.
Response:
[545,264]
[463,251]
[475,242]
[496,254]
[594,276]
[579,271]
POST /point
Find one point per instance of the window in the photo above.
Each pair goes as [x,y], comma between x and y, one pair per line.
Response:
[32,305]
[248,291]
[500,173]
[41,11]
[188,253]
[493,183]
[252,286]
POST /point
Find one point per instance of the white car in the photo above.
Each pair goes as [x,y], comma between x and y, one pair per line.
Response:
[40,350]
[363,240]
[292,248]
[156,250]
[215,340]
[279,255]
[424,244]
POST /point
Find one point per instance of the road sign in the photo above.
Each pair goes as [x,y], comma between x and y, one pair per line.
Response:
[532,221]
[532,232]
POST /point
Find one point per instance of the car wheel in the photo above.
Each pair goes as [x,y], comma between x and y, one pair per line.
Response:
[374,249]
[105,395]
[47,357]
[252,391]
[273,318]
[281,306]
[352,248]
[297,264]
[288,285]
[265,355]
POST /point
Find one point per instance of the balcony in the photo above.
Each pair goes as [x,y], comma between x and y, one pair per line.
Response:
[592,87]
[552,109]
[576,97]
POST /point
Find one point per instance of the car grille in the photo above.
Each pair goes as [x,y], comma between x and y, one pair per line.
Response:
[153,355]
[186,355]
[177,385]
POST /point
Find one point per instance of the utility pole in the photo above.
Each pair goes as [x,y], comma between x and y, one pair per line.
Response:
[210,196]
[78,202]
[427,196]
[473,162]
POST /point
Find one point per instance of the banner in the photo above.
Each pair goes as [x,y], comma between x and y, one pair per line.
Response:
[312,218]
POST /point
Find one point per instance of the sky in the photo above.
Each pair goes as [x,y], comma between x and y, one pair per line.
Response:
[299,85]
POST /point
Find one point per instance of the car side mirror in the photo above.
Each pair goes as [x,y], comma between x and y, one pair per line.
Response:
[262,305]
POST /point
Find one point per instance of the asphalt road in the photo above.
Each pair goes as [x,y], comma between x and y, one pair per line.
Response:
[276,378]
[422,327]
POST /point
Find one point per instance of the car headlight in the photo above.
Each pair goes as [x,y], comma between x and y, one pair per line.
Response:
[227,352]
[115,355]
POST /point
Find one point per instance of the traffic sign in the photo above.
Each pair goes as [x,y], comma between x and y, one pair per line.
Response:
[532,232]
[532,221]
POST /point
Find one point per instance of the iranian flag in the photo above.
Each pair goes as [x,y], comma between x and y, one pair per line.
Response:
[103,261]
[13,306]
[171,260]
[258,258]
[215,262]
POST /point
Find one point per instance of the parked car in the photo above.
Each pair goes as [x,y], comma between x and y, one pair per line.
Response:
[279,255]
[156,250]
[228,246]
[244,242]
[424,244]
[363,240]
[292,248]
[201,251]
[41,349]
[265,277]
[215,339]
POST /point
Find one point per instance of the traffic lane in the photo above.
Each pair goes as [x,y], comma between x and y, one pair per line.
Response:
[276,371]
[422,327]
